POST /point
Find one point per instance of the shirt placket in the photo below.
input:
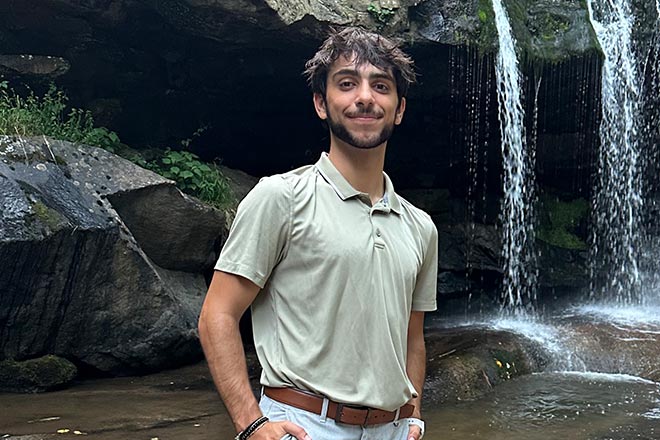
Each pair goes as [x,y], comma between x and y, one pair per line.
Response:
[377,214]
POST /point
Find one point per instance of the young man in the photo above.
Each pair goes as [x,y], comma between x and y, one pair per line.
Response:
[337,267]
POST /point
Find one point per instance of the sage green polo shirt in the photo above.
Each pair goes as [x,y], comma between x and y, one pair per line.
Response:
[339,279]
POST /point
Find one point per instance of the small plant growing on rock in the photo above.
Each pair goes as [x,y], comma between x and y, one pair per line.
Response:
[382,15]
[47,115]
[193,176]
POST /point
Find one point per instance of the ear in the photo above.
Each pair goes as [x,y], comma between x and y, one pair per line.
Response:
[319,105]
[399,112]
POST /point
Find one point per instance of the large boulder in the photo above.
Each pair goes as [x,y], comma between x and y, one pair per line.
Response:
[103,260]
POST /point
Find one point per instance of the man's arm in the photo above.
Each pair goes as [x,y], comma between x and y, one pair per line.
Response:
[416,365]
[227,299]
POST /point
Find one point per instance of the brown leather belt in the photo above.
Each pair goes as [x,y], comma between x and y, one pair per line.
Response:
[341,413]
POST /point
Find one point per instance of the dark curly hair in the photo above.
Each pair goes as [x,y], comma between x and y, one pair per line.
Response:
[363,47]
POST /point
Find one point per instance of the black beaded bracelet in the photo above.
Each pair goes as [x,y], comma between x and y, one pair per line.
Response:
[251,428]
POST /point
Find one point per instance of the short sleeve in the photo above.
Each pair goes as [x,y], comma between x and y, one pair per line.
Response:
[259,234]
[426,287]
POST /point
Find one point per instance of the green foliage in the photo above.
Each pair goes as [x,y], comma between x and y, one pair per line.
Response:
[560,221]
[382,15]
[193,177]
[47,115]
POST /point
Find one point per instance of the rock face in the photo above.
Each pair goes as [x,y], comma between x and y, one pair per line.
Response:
[77,280]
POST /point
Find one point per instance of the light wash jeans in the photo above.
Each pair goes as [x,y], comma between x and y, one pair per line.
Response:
[321,428]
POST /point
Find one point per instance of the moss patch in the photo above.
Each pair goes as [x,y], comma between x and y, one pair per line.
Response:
[36,375]
[46,216]
[487,37]
[560,221]
[548,26]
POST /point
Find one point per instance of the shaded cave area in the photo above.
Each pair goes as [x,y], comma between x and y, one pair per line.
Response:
[157,80]
[253,111]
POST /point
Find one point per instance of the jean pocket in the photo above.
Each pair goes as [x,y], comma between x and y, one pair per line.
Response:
[273,409]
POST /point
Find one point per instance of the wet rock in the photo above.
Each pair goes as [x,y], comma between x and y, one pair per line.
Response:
[466,363]
[552,29]
[36,375]
[78,282]
[614,347]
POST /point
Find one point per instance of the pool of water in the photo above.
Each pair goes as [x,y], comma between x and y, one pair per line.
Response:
[182,404]
[575,406]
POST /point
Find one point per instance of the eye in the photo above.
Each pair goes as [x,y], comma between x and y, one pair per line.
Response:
[382,87]
[345,84]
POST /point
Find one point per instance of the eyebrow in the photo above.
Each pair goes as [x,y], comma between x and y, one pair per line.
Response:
[354,72]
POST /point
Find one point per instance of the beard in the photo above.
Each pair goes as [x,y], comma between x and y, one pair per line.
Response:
[366,143]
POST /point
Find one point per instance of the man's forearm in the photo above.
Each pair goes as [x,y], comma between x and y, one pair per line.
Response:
[416,368]
[223,347]
[416,359]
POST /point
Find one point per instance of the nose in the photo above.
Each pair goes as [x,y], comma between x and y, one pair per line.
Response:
[365,95]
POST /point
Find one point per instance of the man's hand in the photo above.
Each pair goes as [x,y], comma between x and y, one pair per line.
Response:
[414,433]
[277,430]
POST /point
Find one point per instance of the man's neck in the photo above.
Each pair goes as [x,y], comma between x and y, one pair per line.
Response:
[362,168]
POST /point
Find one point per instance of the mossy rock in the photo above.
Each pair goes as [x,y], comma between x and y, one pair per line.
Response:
[36,375]
[545,30]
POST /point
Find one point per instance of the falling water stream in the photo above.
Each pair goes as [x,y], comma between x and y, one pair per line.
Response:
[519,282]
[618,197]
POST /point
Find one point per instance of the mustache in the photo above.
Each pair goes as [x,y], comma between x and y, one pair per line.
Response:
[364,114]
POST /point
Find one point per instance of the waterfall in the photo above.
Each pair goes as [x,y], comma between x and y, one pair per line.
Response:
[616,240]
[520,273]
[652,163]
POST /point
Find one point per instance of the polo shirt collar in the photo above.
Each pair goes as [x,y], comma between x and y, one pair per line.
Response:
[345,190]
[390,196]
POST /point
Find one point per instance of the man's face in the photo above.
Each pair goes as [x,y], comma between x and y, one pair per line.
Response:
[361,104]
